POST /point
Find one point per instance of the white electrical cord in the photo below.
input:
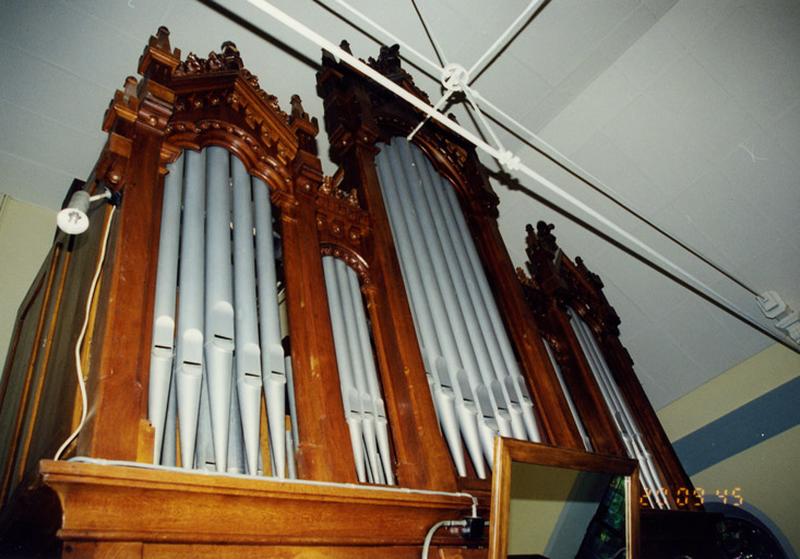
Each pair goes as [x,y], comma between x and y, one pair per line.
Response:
[79,342]
[429,536]
[513,163]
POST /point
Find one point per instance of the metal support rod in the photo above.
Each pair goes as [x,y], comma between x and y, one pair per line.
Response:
[272,358]
[190,306]
[248,351]
[445,393]
[219,332]
[163,344]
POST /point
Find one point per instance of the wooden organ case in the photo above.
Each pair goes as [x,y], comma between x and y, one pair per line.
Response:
[384,357]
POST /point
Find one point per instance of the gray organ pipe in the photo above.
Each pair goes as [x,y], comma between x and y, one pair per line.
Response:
[219,332]
[587,444]
[235,439]
[248,351]
[272,358]
[169,449]
[514,382]
[292,403]
[373,385]
[444,359]
[227,295]
[162,350]
[350,396]
[357,363]
[489,384]
[623,420]
[190,308]
[456,332]
[444,393]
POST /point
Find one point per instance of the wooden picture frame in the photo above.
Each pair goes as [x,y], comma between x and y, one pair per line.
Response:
[507,451]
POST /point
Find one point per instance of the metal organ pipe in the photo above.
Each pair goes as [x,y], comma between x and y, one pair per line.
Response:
[514,382]
[190,308]
[219,315]
[620,412]
[162,351]
[227,293]
[456,332]
[446,396]
[373,385]
[357,362]
[489,383]
[587,444]
[248,351]
[272,358]
[350,396]
[401,210]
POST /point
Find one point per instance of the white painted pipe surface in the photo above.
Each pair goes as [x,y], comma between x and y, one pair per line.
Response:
[163,341]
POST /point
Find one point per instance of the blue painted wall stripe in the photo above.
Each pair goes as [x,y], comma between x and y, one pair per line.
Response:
[766,416]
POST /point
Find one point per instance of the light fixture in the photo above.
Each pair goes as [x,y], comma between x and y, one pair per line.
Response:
[73,220]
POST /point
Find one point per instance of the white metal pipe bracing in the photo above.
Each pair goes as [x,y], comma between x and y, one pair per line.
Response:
[350,396]
[272,358]
[482,318]
[190,305]
[513,163]
[163,342]
[428,185]
[219,313]
[456,331]
[622,422]
[587,444]
[248,351]
[445,392]
[357,362]
[373,384]
[625,411]
[514,382]
[236,458]
[451,368]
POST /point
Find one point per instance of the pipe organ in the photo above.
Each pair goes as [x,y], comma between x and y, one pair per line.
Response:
[335,354]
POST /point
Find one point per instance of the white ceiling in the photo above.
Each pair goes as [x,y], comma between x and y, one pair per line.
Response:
[688,110]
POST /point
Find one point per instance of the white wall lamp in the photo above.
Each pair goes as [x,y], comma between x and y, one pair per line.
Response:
[74,219]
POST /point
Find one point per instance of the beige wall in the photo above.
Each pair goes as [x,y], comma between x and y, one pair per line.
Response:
[26,232]
[767,473]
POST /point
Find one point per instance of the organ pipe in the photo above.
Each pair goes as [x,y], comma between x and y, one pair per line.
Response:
[248,351]
[443,358]
[272,357]
[219,314]
[162,353]
[190,308]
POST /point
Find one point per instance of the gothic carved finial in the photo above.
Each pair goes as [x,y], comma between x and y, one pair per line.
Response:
[129,89]
[161,39]
[345,46]
[542,239]
[388,64]
[297,108]
[305,128]
[590,276]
